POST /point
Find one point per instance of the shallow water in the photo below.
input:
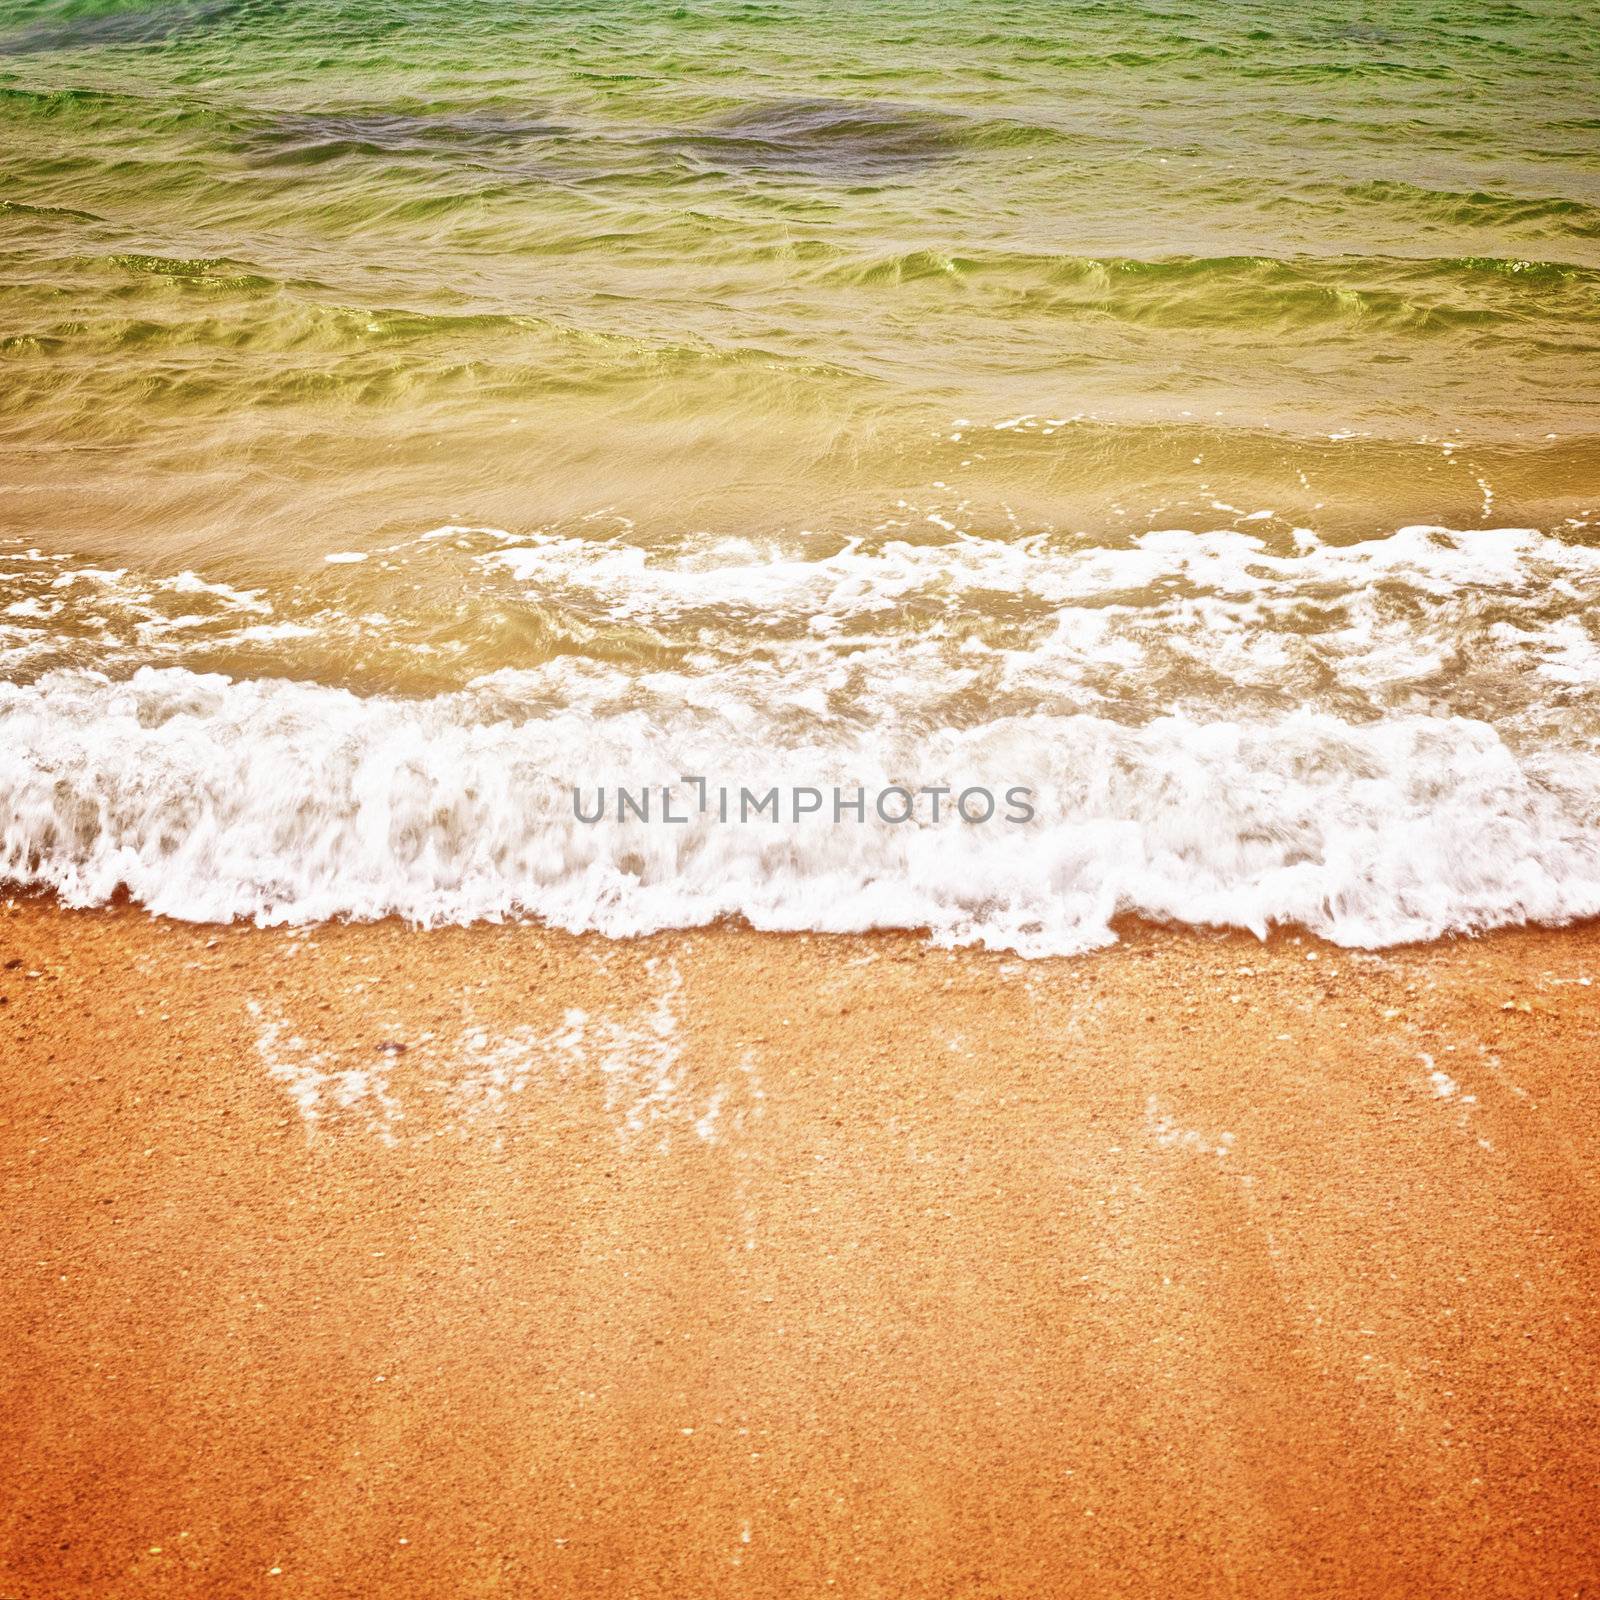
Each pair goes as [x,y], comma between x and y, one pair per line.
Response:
[1187,413]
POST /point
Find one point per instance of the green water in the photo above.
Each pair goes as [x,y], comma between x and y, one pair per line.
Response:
[371,266]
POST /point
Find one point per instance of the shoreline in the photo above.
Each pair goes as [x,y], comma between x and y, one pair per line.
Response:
[368,1259]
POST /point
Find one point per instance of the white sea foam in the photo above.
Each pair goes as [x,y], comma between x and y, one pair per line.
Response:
[861,576]
[1498,623]
[1381,741]
[210,799]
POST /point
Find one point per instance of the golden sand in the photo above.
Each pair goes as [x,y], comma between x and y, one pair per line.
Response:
[502,1262]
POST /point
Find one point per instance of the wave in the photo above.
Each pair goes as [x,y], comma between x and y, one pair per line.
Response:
[1477,208]
[1511,303]
[206,799]
[1381,742]
[918,622]
[1417,296]
[20,208]
[905,625]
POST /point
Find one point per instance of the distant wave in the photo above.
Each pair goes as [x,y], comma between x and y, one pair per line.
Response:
[1415,295]
[1477,208]
[1418,298]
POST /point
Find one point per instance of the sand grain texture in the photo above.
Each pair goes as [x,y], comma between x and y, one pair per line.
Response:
[496,1261]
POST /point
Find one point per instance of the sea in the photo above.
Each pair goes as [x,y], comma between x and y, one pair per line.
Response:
[454,457]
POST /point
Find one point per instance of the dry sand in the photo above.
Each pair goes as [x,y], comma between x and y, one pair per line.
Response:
[744,1264]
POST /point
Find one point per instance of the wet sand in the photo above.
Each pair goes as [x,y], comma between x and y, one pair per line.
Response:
[503,1262]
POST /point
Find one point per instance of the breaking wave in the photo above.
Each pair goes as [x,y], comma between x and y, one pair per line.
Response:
[1210,730]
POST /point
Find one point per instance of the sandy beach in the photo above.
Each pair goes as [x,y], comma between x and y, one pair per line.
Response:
[368,1261]
[643,651]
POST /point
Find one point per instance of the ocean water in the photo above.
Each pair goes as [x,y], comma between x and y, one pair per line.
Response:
[411,413]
